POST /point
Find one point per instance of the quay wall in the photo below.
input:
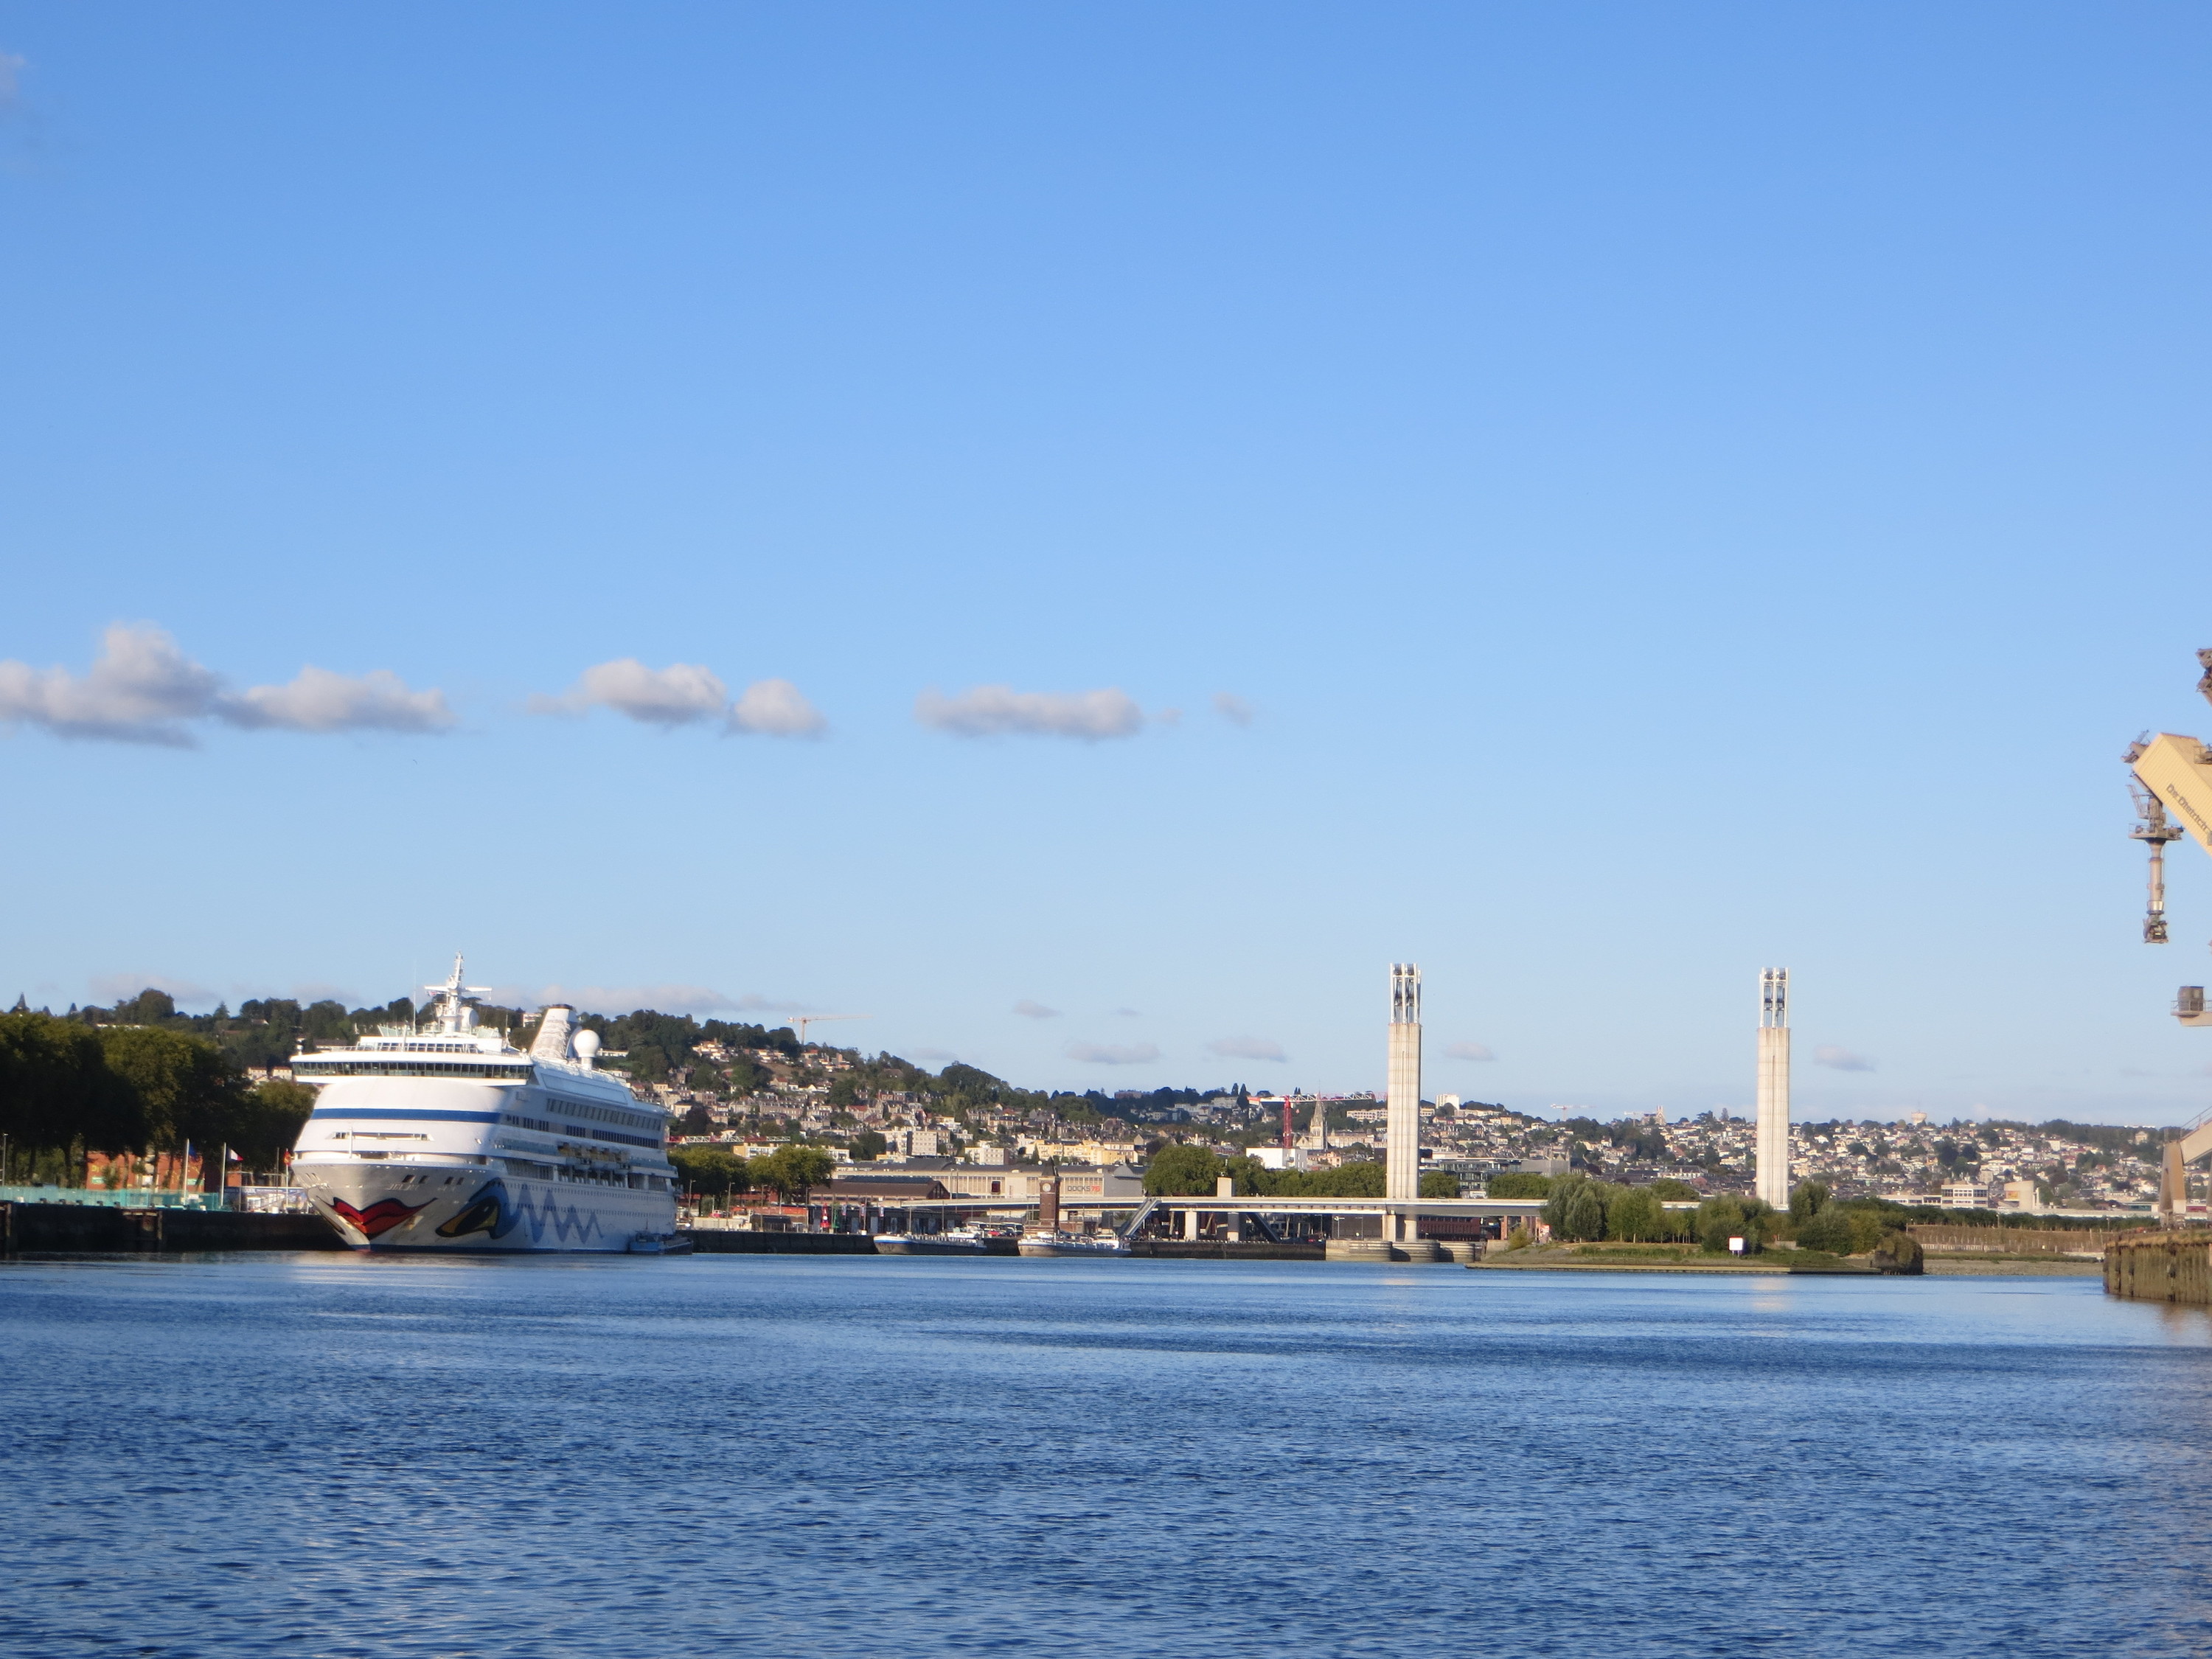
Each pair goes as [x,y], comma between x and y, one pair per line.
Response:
[2164,1266]
[94,1230]
[1210,1249]
[2016,1240]
[729,1241]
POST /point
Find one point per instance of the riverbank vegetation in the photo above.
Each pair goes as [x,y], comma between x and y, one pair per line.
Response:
[70,1090]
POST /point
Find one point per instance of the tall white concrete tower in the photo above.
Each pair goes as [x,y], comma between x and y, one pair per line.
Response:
[1402,1166]
[1772,1145]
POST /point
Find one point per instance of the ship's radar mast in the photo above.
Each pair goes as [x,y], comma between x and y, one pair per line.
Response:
[456,1001]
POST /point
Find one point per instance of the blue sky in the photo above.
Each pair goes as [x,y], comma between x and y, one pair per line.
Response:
[1161,511]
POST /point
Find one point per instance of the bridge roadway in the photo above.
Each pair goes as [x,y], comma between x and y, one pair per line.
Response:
[1400,1216]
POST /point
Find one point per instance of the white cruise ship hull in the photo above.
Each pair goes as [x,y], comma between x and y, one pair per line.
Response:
[447,1137]
[398,1207]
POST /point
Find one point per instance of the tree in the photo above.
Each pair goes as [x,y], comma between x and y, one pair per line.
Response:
[1520,1183]
[1583,1215]
[187,1087]
[1634,1214]
[711,1169]
[148,1007]
[791,1172]
[868,1146]
[1182,1171]
[1437,1184]
[1729,1216]
[57,1089]
[269,1121]
[1807,1201]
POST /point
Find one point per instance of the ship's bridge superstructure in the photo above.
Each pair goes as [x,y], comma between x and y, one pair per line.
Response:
[448,1136]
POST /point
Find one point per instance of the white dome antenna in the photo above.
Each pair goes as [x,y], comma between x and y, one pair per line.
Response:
[587,1046]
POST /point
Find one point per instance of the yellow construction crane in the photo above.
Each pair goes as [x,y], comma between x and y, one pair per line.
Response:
[805,1020]
[2173,774]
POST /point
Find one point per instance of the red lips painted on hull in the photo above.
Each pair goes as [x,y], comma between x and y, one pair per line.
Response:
[380,1216]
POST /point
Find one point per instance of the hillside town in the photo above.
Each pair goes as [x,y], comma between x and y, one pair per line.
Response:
[881,1110]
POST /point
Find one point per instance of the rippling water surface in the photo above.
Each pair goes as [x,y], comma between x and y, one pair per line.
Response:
[728,1455]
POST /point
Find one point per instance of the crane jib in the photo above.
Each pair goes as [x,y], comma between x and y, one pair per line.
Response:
[2173,769]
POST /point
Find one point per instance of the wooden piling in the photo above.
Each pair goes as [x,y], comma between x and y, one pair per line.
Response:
[2161,1267]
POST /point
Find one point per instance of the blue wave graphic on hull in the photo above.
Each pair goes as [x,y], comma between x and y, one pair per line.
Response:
[495,1212]
[569,1228]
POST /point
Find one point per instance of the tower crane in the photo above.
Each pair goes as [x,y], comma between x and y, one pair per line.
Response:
[805,1020]
[2170,772]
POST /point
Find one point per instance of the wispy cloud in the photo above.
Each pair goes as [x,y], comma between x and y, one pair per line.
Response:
[143,689]
[1029,1010]
[1247,1048]
[686,694]
[622,999]
[1113,1053]
[1233,709]
[1840,1059]
[120,987]
[318,701]
[1470,1051]
[985,711]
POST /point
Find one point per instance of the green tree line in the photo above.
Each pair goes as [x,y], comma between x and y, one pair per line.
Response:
[69,1089]
[790,1172]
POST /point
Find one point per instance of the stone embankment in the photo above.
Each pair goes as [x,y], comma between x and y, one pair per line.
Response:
[2163,1267]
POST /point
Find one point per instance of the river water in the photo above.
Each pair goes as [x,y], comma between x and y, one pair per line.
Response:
[625,1459]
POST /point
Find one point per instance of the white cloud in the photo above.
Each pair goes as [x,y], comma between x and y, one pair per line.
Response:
[986,711]
[777,709]
[686,694]
[677,694]
[320,701]
[1841,1059]
[140,688]
[1470,1051]
[1029,1010]
[1247,1048]
[1232,708]
[1113,1053]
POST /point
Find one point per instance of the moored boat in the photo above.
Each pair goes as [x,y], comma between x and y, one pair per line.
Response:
[961,1241]
[1059,1242]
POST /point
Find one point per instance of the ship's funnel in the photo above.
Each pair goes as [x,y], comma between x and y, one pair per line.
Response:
[554,1033]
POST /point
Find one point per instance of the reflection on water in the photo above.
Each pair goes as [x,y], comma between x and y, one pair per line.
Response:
[769,1456]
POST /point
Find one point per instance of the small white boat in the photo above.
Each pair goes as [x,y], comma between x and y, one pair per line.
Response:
[660,1244]
[1059,1242]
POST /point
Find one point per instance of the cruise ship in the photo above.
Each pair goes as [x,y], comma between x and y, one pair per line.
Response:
[447,1137]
